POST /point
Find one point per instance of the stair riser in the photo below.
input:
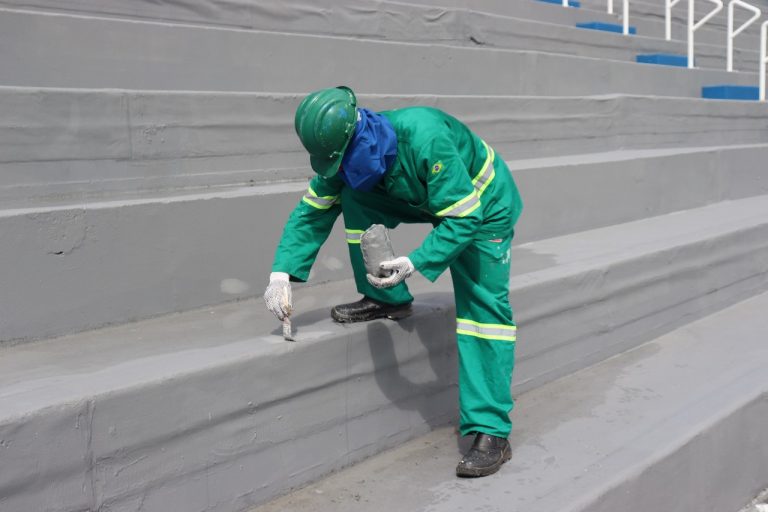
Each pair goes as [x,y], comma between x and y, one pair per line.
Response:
[161,256]
[613,308]
[87,143]
[240,433]
[231,60]
[555,202]
[686,472]
[247,429]
[394,20]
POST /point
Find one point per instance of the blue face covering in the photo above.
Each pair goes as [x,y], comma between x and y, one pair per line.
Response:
[371,152]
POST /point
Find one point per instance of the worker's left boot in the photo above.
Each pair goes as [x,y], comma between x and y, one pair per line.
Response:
[485,457]
[369,309]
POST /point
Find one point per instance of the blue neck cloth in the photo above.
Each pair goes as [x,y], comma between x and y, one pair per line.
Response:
[371,152]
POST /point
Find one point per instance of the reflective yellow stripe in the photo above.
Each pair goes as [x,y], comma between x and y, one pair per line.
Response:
[486,331]
[461,208]
[487,172]
[473,208]
[486,336]
[480,182]
[319,202]
[353,235]
[492,326]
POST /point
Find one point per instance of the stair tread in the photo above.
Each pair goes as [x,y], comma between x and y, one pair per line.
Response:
[574,439]
[39,374]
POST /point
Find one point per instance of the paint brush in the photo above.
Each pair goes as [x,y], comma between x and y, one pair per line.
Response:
[287,334]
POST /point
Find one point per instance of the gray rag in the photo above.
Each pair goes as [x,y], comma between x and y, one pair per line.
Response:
[376,247]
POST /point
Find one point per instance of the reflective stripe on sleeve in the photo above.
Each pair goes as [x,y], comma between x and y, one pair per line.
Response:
[487,173]
[467,205]
[486,331]
[319,202]
[353,235]
[461,208]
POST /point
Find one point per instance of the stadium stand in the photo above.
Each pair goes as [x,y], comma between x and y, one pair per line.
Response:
[148,163]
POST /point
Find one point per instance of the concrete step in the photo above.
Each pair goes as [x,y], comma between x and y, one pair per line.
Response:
[212,410]
[112,261]
[647,16]
[520,34]
[318,16]
[672,425]
[458,26]
[358,18]
[155,55]
[60,146]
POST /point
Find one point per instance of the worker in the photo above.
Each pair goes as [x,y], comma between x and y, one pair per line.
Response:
[415,164]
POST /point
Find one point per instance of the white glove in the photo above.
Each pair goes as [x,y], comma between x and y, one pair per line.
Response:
[278,295]
[401,268]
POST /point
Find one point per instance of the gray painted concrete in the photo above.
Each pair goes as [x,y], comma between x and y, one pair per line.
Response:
[98,263]
[673,425]
[212,410]
[332,17]
[82,145]
[118,205]
[400,22]
[153,55]
[263,14]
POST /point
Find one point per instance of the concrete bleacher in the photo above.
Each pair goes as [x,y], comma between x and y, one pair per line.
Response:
[148,162]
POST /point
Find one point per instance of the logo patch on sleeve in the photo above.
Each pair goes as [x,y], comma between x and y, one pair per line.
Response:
[436,168]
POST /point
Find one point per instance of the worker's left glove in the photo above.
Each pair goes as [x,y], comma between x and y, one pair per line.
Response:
[401,268]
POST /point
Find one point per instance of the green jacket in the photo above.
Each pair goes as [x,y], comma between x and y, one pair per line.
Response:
[442,169]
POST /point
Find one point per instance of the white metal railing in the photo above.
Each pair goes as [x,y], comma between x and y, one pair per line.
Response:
[668,5]
[625,16]
[763,57]
[693,25]
[731,33]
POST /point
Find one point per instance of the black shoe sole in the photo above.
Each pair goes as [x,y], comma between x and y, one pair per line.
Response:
[394,313]
[465,472]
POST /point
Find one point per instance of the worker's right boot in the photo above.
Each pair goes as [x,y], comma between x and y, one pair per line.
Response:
[485,457]
[369,309]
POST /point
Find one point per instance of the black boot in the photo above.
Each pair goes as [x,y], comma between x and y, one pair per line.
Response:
[368,309]
[485,457]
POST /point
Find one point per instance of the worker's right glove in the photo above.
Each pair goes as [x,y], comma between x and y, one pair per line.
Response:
[278,295]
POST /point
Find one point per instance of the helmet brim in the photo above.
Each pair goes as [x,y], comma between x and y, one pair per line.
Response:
[324,166]
[328,167]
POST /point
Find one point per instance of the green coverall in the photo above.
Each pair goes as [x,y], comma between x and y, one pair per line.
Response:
[447,176]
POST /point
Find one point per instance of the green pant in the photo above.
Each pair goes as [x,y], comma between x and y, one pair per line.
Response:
[485,327]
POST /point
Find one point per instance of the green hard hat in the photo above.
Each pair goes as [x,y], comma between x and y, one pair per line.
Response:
[325,122]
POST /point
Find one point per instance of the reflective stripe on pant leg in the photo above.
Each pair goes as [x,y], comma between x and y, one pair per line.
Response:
[486,331]
[486,336]
[353,235]
[359,216]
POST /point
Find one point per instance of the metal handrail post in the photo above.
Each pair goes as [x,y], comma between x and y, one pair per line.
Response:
[610,6]
[693,26]
[731,33]
[669,4]
[625,15]
[763,57]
